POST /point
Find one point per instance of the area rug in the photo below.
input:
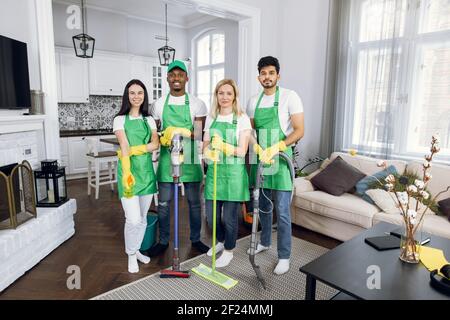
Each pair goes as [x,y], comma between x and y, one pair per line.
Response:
[290,286]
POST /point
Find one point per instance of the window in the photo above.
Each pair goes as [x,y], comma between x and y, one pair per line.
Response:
[398,76]
[210,64]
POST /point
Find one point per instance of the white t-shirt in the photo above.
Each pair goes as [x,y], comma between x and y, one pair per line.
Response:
[289,103]
[119,122]
[243,123]
[196,106]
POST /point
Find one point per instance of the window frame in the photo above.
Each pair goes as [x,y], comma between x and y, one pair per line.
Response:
[211,66]
[411,45]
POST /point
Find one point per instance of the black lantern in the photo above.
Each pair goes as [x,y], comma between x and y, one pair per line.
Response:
[51,189]
[166,54]
[83,43]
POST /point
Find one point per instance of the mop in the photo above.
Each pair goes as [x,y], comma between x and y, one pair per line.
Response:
[259,185]
[176,155]
[210,273]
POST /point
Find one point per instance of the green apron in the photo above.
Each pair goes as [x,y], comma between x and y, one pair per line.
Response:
[191,171]
[268,130]
[232,174]
[138,132]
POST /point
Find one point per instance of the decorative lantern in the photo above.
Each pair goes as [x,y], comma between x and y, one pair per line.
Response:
[51,188]
[166,54]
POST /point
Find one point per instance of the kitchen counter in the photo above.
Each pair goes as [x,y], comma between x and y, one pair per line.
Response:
[79,133]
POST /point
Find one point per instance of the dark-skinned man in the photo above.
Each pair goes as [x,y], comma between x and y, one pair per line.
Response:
[179,112]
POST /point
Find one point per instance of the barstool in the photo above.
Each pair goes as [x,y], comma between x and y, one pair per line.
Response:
[96,158]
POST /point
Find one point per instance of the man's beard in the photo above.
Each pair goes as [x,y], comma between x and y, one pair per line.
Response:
[269,85]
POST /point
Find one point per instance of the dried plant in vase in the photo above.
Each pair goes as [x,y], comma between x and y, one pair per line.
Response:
[403,192]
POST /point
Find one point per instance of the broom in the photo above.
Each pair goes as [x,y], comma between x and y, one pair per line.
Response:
[204,271]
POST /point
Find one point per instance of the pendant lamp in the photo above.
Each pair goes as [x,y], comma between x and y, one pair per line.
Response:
[166,54]
[83,43]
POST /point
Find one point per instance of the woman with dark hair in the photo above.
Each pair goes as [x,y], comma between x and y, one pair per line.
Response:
[136,179]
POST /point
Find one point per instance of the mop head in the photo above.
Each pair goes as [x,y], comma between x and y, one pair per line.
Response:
[215,277]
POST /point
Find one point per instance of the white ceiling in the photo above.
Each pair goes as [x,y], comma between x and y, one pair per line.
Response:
[177,15]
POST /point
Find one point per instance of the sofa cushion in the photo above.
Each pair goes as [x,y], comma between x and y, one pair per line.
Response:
[440,180]
[367,165]
[337,178]
[347,207]
[301,184]
[388,203]
[363,185]
[444,207]
[323,165]
[433,224]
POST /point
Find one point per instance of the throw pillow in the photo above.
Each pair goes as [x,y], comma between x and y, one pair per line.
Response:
[337,178]
[444,207]
[323,165]
[363,185]
[389,204]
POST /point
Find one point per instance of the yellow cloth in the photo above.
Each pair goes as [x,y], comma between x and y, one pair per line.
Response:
[218,144]
[212,155]
[269,153]
[128,180]
[432,258]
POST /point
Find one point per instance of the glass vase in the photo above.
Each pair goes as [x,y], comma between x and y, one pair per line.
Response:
[409,246]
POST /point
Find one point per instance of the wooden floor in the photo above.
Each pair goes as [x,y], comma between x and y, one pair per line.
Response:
[98,249]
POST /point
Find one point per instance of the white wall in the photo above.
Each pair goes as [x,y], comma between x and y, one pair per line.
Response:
[18,21]
[302,55]
[115,32]
[231,30]
[270,15]
[295,31]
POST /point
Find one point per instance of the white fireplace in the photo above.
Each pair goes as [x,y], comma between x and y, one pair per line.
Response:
[23,138]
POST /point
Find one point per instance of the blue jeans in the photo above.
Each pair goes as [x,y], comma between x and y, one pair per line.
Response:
[192,190]
[284,229]
[226,223]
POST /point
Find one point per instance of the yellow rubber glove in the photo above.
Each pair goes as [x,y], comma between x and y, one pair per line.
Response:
[128,180]
[171,131]
[257,149]
[211,155]
[218,144]
[138,150]
[135,151]
[269,153]
[164,141]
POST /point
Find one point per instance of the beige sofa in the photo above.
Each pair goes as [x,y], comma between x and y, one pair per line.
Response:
[345,216]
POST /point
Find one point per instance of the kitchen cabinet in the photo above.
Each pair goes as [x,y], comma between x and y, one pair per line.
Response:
[73,153]
[108,73]
[72,77]
[151,74]
[77,155]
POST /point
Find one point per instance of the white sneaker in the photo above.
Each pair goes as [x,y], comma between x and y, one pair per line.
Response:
[219,247]
[282,266]
[224,259]
[142,258]
[132,264]
[259,248]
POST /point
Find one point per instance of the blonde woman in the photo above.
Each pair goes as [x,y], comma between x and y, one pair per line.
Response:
[227,133]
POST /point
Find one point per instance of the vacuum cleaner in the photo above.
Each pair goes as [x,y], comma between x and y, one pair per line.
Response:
[176,158]
[260,185]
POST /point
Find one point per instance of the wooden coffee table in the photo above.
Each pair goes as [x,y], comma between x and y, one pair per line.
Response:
[348,267]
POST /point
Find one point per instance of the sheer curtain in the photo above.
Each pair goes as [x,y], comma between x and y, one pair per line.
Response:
[372,52]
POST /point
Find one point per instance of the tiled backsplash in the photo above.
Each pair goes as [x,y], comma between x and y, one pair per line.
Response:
[97,114]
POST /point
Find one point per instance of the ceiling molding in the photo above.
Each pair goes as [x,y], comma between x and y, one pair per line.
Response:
[125,14]
[200,21]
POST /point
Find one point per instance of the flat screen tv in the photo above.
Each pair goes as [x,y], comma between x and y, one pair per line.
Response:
[14,76]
